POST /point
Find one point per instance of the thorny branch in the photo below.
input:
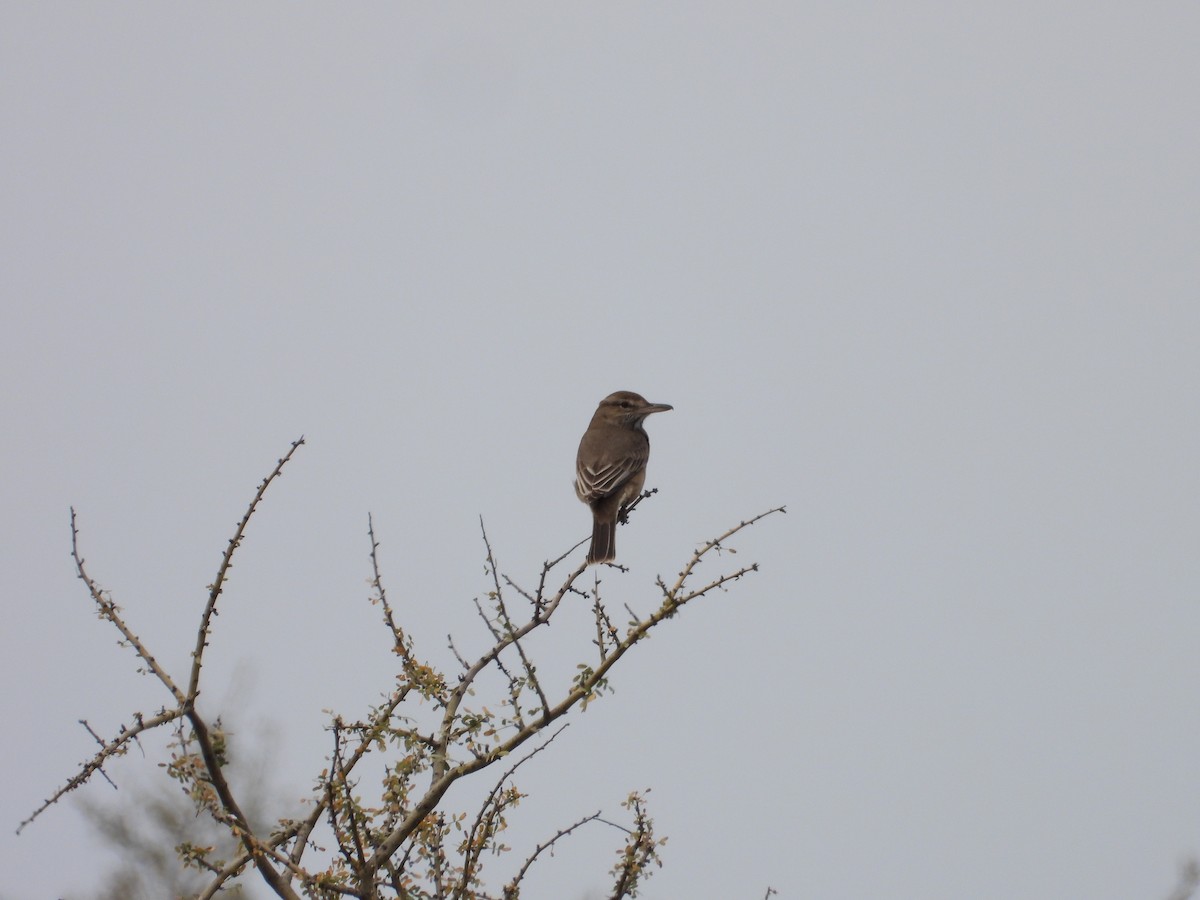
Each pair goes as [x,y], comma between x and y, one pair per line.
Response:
[427,735]
[512,889]
[225,808]
[218,585]
[107,609]
[113,748]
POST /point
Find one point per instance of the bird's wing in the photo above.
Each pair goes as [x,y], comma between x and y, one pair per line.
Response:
[603,478]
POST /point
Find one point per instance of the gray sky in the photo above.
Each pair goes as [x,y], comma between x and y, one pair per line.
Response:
[927,273]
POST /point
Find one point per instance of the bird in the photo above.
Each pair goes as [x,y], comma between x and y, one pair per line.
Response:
[610,467]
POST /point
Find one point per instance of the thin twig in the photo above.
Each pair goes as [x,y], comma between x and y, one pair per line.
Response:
[218,585]
[115,747]
[511,889]
[109,610]
[398,634]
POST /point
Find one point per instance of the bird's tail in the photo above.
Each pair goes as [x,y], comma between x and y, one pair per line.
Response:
[604,541]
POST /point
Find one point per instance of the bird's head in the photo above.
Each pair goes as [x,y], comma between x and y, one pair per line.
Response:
[627,408]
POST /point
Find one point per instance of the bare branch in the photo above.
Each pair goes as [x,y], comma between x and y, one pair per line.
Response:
[218,585]
[511,890]
[402,643]
[715,544]
[115,747]
[109,610]
[510,631]
[99,740]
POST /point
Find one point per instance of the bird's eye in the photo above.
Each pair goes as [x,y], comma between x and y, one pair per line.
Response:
[625,404]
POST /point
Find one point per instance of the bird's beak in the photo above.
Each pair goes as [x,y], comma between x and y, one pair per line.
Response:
[656,407]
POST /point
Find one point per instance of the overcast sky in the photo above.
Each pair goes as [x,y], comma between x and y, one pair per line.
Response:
[928,273]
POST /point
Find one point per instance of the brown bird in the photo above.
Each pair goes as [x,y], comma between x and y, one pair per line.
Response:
[610,468]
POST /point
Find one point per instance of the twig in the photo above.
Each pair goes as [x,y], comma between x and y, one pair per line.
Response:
[506,621]
[108,610]
[218,585]
[401,639]
[114,747]
[511,889]
[99,740]
[627,510]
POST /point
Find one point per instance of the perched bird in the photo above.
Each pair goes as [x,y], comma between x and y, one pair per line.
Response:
[611,465]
